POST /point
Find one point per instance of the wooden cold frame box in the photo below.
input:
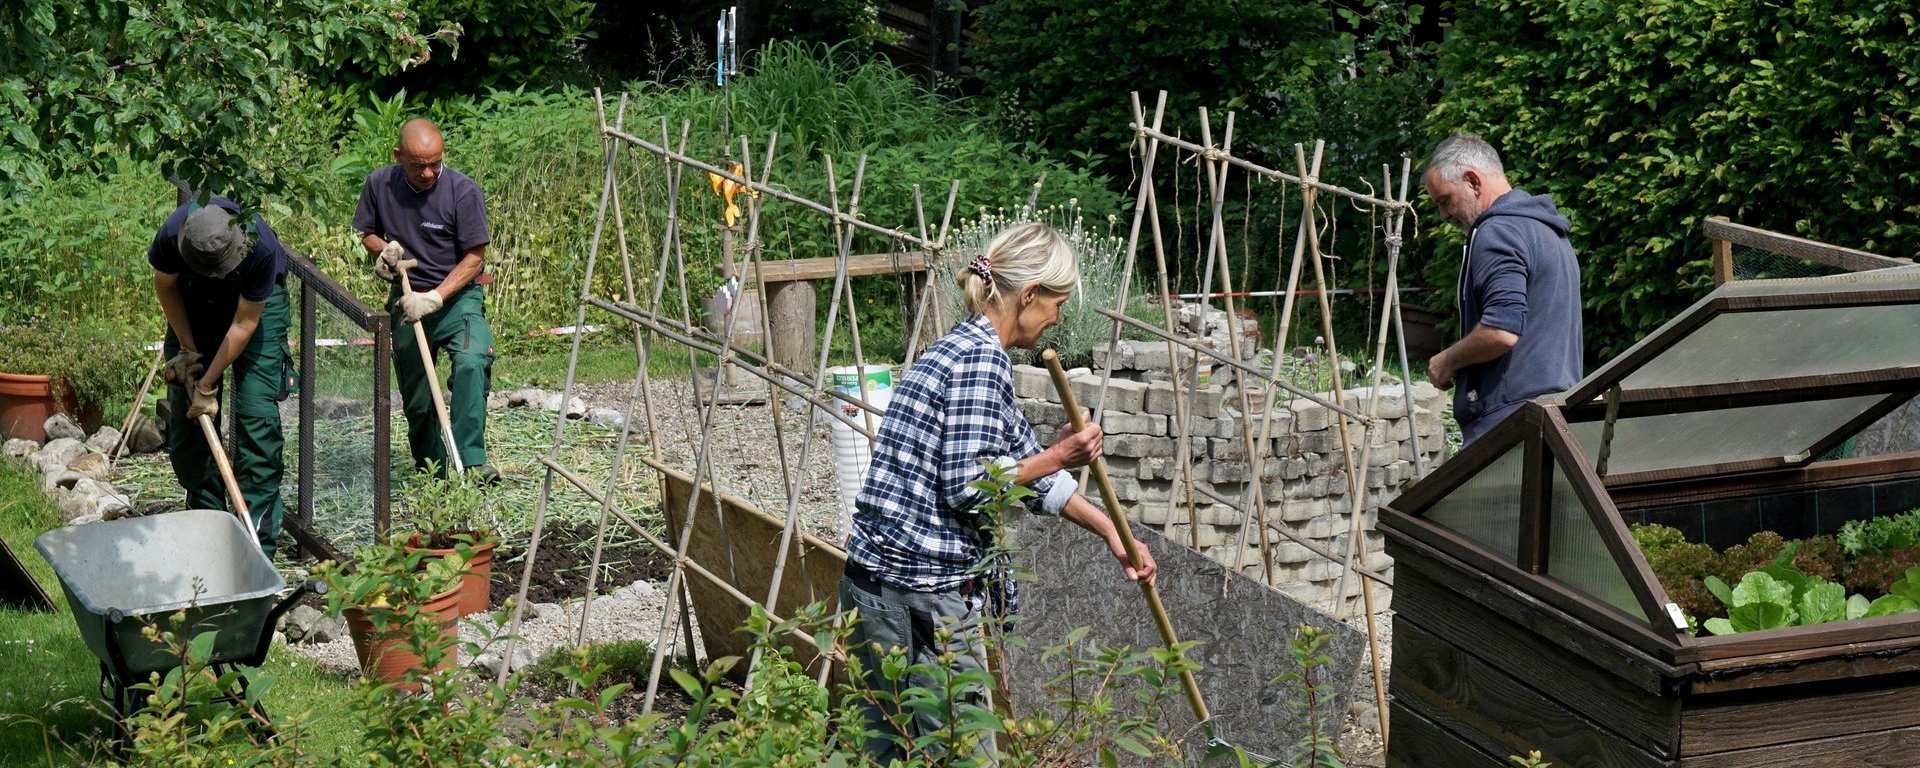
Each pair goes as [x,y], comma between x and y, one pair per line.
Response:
[1526,617]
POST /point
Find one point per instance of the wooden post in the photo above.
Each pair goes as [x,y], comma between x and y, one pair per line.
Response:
[790,314]
[1722,259]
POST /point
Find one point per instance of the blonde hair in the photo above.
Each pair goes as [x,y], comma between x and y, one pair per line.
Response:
[1021,255]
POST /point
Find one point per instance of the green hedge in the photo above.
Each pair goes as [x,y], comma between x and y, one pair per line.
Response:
[1643,118]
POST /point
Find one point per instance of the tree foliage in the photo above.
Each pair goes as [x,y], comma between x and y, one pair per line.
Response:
[1643,118]
[1066,67]
[188,83]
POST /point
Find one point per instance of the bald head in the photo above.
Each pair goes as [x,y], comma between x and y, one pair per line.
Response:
[419,152]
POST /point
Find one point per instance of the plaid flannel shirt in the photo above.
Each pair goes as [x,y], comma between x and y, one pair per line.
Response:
[916,524]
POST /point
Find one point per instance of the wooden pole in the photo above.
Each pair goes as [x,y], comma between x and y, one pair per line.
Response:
[1079,419]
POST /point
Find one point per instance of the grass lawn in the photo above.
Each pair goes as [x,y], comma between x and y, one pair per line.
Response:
[49,710]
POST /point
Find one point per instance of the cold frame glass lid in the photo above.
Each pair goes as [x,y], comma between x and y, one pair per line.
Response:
[1758,371]
[1745,335]
[1712,438]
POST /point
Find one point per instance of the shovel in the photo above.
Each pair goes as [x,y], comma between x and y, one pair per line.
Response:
[433,374]
[1219,752]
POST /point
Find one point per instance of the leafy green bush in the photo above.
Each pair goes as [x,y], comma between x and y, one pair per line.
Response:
[1641,119]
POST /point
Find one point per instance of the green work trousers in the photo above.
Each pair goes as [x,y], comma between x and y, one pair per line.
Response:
[262,377]
[460,329]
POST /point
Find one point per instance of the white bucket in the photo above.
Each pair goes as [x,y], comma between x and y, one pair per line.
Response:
[852,452]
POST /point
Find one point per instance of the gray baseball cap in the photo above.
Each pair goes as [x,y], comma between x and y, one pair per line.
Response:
[211,243]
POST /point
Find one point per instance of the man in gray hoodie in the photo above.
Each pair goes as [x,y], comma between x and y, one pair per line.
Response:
[1518,291]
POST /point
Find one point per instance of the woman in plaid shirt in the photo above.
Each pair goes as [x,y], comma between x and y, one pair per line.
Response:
[918,558]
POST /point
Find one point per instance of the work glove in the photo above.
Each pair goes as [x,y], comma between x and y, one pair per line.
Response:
[183,369]
[386,266]
[414,306]
[205,403]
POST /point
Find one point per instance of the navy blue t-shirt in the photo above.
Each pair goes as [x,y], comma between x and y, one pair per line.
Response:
[211,301]
[436,226]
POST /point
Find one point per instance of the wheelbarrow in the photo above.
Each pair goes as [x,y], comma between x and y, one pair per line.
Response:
[121,575]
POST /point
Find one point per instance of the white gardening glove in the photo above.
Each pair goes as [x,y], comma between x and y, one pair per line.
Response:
[384,266]
[183,368]
[202,403]
[414,306]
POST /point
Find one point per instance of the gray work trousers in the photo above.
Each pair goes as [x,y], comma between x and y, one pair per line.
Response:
[890,617]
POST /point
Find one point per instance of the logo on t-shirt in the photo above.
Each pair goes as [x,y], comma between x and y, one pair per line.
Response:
[434,225]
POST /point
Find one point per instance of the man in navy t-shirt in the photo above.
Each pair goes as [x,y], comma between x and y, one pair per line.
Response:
[220,285]
[420,209]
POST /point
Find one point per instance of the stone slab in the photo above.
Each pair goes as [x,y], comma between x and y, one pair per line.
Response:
[1243,633]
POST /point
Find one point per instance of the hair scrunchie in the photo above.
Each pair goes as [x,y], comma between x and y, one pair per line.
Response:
[982,266]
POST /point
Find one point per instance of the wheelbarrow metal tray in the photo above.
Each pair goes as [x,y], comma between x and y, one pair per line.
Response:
[150,567]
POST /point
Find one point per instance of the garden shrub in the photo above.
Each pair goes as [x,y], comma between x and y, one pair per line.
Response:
[1642,119]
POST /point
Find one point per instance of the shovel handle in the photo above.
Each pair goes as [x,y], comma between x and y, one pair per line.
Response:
[433,374]
[226,470]
[1099,466]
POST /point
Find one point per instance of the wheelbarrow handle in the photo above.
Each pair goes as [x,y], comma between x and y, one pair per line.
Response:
[310,586]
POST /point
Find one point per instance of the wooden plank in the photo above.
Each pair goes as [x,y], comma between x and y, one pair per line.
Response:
[1664,401]
[1894,656]
[1573,684]
[1745,719]
[1825,474]
[1536,494]
[1479,598]
[1791,645]
[860,265]
[1850,259]
[1421,743]
[1889,748]
[737,541]
[1499,715]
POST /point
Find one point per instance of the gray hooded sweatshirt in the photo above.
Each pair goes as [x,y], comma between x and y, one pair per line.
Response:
[1518,274]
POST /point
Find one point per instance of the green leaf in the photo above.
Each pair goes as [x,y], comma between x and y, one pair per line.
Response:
[1822,602]
[1720,590]
[1719,626]
[1856,606]
[1889,605]
[1753,617]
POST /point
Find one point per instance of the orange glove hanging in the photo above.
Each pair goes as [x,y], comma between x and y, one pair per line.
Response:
[726,188]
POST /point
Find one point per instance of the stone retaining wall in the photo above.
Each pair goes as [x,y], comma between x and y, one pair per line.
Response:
[1302,476]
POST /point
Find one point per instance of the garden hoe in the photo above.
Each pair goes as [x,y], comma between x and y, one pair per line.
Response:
[1219,752]
[226,471]
[433,374]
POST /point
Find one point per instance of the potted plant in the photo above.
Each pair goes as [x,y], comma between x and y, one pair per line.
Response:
[401,608]
[54,367]
[450,516]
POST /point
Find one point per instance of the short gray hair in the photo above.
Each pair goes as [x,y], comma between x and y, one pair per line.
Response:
[1460,151]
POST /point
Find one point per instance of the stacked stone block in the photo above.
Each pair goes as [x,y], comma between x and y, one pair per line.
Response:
[1302,477]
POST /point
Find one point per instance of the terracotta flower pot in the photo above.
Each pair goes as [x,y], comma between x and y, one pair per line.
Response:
[476,588]
[26,402]
[385,657]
